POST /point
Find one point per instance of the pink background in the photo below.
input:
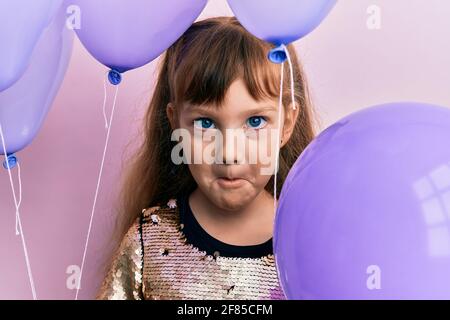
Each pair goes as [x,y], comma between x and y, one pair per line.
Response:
[348,65]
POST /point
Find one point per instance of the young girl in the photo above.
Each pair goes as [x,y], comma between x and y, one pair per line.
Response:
[204,230]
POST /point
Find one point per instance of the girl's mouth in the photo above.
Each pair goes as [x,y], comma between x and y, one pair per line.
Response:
[225,182]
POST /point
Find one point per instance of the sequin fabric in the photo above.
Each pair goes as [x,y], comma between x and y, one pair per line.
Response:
[163,265]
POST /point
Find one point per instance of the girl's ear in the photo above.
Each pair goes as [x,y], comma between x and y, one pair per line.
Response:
[171,115]
[290,118]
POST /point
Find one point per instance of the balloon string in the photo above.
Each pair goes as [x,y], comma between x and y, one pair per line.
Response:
[19,229]
[280,105]
[291,71]
[104,100]
[97,190]
[20,197]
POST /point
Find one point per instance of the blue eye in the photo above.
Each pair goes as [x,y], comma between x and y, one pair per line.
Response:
[204,123]
[256,122]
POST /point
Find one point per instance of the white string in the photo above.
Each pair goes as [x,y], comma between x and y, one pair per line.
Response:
[104,101]
[20,197]
[18,222]
[291,71]
[97,190]
[280,105]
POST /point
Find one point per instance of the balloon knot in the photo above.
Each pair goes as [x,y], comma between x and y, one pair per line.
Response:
[114,77]
[11,160]
[278,54]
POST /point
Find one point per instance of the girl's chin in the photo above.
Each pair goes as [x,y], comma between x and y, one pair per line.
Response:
[232,199]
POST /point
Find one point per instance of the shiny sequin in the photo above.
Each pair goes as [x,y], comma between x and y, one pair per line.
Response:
[155,218]
[124,278]
[172,203]
[171,268]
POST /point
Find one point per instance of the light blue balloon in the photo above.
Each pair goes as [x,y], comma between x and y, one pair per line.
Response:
[22,23]
[281,21]
[364,213]
[24,105]
[125,35]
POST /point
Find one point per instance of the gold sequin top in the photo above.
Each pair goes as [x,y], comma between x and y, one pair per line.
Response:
[155,261]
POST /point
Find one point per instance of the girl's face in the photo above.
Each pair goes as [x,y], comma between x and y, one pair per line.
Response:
[231,149]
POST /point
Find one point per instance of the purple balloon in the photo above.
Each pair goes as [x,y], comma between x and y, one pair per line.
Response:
[282,21]
[22,24]
[365,210]
[125,35]
[24,105]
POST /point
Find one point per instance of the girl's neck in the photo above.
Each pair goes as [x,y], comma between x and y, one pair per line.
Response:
[249,225]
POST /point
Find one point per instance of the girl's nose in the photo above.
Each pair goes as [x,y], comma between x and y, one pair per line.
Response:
[233,149]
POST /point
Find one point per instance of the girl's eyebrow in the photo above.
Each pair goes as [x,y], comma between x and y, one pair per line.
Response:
[208,110]
[268,108]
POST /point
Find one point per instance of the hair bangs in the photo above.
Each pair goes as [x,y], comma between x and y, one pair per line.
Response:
[215,59]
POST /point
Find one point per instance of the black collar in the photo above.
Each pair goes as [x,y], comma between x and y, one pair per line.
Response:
[198,237]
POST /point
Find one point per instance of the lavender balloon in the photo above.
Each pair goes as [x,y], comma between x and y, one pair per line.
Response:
[365,211]
[22,23]
[24,105]
[125,35]
[282,21]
